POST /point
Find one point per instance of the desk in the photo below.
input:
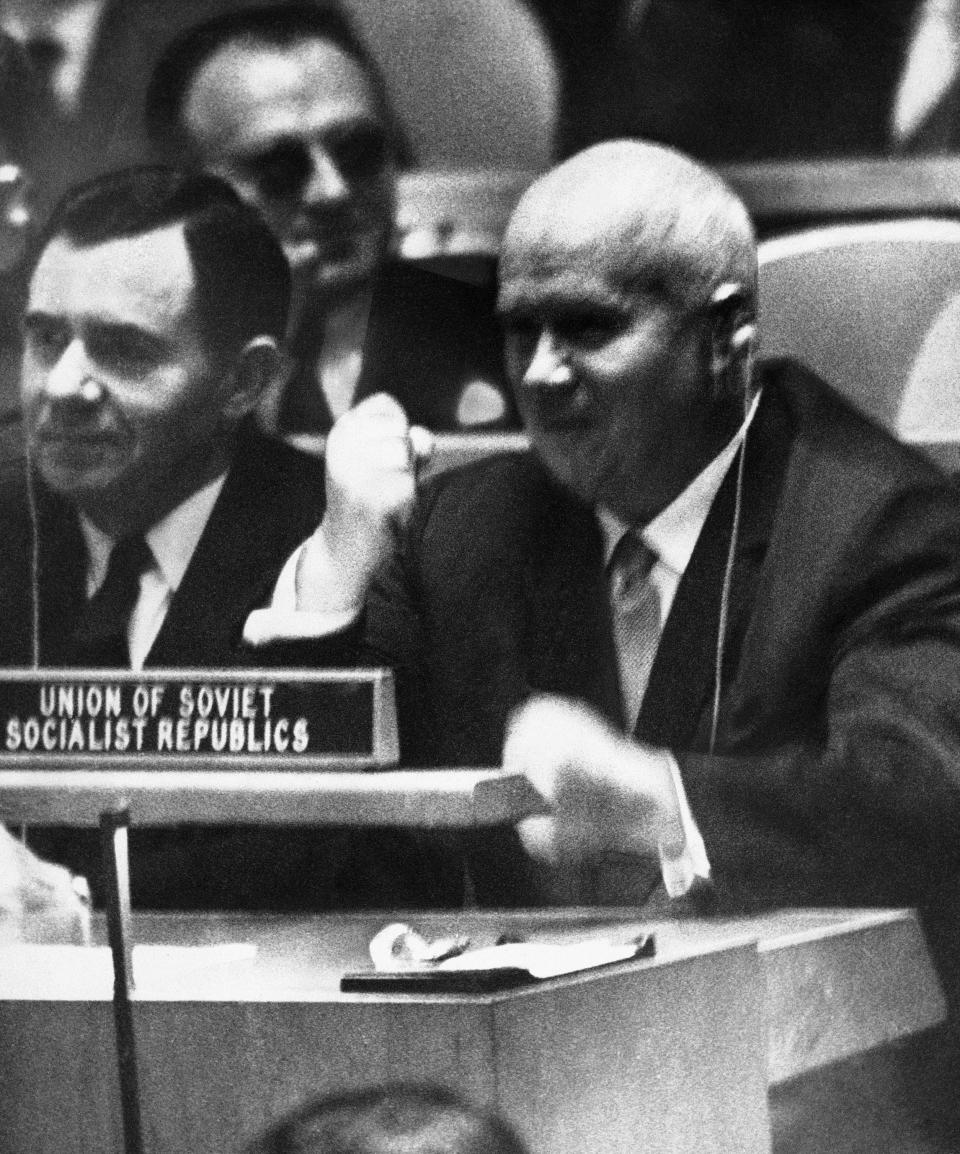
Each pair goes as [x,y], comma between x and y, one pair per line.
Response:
[680,1048]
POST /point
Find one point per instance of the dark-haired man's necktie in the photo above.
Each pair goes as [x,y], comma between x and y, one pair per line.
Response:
[635,607]
[100,635]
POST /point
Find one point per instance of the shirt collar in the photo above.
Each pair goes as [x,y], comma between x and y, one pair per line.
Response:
[673,533]
[172,540]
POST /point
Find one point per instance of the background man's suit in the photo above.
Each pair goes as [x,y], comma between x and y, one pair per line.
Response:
[272,499]
[429,338]
[836,779]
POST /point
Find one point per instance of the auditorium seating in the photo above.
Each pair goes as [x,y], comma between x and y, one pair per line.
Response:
[789,195]
[454,449]
[874,308]
[463,212]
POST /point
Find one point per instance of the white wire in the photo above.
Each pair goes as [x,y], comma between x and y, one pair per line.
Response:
[725,598]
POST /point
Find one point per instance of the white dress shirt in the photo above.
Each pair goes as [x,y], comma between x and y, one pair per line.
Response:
[672,535]
[336,372]
[172,542]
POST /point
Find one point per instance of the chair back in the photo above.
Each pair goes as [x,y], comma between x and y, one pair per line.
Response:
[875,310]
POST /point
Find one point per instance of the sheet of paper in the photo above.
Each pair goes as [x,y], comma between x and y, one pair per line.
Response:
[544,959]
[33,971]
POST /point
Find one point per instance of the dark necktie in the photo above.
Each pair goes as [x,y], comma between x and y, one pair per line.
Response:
[100,635]
[635,608]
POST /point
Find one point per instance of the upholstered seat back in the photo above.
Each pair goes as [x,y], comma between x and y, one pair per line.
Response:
[874,309]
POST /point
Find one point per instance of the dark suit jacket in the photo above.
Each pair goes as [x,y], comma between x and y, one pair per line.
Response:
[429,337]
[836,772]
[272,499]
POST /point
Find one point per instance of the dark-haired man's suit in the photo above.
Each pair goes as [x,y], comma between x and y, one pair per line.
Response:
[272,499]
[836,771]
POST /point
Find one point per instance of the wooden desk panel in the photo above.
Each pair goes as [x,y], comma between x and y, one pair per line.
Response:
[677,1049]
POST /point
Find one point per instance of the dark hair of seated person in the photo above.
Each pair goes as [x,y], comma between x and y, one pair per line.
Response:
[242,279]
[399,1118]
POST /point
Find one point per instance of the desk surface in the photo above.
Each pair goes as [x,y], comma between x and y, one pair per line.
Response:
[458,798]
[836,981]
[724,1010]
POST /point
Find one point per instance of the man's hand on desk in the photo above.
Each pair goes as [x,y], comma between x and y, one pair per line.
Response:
[372,457]
[614,799]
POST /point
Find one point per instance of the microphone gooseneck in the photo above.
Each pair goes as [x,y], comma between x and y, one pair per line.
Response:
[727,586]
[34,515]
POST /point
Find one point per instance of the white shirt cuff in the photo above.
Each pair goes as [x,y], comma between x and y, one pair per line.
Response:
[282,621]
[682,869]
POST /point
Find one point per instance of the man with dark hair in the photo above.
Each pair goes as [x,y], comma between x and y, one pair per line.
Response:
[154,312]
[402,1118]
[714,615]
[285,104]
[148,518]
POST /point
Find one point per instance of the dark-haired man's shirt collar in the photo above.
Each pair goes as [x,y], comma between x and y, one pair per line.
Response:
[172,541]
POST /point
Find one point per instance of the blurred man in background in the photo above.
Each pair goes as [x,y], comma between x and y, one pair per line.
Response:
[149,518]
[405,1118]
[285,103]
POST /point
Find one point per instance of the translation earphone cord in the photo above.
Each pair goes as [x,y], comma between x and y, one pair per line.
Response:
[733,300]
[725,598]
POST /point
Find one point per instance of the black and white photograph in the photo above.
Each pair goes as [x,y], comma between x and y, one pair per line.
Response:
[480,576]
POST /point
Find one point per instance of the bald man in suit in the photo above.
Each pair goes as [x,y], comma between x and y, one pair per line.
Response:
[795,738]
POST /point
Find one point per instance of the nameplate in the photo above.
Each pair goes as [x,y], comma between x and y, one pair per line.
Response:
[204,719]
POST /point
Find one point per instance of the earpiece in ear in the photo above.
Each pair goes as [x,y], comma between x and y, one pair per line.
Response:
[742,337]
[732,333]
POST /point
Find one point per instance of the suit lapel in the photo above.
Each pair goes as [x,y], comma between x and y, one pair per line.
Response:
[62,570]
[678,697]
[199,622]
[250,533]
[571,649]
[682,672]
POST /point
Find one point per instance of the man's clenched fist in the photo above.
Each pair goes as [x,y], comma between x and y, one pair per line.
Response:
[372,457]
